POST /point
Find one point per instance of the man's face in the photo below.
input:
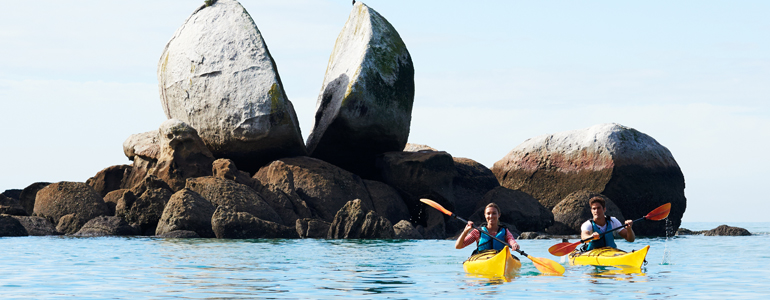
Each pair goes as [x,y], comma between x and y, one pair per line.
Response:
[597,210]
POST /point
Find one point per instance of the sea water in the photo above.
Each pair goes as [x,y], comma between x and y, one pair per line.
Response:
[683,267]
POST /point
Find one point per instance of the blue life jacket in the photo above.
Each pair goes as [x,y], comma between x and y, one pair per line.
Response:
[607,240]
[485,242]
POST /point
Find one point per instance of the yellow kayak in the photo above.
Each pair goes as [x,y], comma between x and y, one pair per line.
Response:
[609,257]
[492,263]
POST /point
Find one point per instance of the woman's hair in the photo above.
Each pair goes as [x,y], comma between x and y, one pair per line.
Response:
[492,204]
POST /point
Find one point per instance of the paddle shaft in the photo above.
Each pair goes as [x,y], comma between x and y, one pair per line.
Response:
[493,237]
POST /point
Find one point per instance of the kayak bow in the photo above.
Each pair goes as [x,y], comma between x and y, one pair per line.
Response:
[610,257]
[493,263]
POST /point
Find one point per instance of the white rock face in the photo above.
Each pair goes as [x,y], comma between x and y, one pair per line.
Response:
[142,144]
[216,74]
[365,104]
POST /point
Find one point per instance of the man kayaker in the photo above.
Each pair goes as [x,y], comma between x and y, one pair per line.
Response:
[600,224]
[492,227]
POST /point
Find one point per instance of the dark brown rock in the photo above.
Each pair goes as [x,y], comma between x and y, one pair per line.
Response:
[628,166]
[241,198]
[406,231]
[141,167]
[312,228]
[574,210]
[315,184]
[64,198]
[12,193]
[436,225]
[230,224]
[107,226]
[226,169]
[187,210]
[420,175]
[724,230]
[10,226]
[356,220]
[387,202]
[517,208]
[37,226]
[109,179]
[10,206]
[144,206]
[70,223]
[28,195]
[685,231]
[112,198]
[182,154]
[180,234]
[472,182]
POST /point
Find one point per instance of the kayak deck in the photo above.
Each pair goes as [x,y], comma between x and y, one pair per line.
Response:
[493,263]
[610,257]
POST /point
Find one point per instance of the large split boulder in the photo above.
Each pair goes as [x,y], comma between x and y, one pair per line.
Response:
[626,165]
[239,197]
[356,220]
[314,184]
[76,199]
[574,210]
[516,208]
[216,74]
[187,210]
[365,105]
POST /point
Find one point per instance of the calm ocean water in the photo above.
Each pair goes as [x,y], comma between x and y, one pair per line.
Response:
[695,267]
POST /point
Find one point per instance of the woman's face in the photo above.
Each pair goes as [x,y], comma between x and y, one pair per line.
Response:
[491,215]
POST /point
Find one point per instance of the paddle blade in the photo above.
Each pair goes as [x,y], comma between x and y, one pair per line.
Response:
[547,266]
[659,213]
[436,206]
[562,249]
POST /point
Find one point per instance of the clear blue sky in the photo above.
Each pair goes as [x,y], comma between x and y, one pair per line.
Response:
[78,77]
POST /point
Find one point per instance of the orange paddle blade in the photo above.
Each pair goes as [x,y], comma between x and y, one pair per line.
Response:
[547,266]
[562,249]
[659,213]
[436,206]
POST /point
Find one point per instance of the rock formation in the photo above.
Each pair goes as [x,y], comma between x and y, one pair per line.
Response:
[574,210]
[187,210]
[365,104]
[76,200]
[109,179]
[358,221]
[472,182]
[216,74]
[29,194]
[239,197]
[628,166]
[230,224]
[516,208]
[144,204]
[107,226]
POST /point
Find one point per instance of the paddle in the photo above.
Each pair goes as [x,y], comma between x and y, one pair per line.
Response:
[544,265]
[565,248]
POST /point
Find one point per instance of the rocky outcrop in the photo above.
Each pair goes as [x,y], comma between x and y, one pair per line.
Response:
[226,169]
[312,228]
[574,210]
[216,74]
[187,210]
[144,205]
[472,182]
[10,226]
[239,197]
[628,166]
[112,199]
[182,155]
[365,105]
[420,175]
[516,208]
[37,226]
[109,179]
[12,193]
[724,230]
[10,206]
[320,186]
[146,144]
[107,226]
[417,148]
[404,230]
[358,221]
[387,202]
[76,199]
[228,223]
[29,194]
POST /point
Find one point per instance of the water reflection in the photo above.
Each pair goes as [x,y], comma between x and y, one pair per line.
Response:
[620,274]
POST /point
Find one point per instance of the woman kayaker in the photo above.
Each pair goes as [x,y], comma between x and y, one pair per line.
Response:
[600,224]
[493,228]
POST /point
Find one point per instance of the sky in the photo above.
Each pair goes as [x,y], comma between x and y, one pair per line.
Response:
[78,77]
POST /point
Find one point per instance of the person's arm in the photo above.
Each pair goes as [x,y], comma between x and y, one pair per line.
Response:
[628,232]
[511,241]
[465,238]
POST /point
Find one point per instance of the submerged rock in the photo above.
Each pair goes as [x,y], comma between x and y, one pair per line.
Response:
[365,105]
[216,74]
[628,166]
[724,230]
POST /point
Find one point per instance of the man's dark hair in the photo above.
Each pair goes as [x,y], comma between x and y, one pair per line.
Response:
[597,199]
